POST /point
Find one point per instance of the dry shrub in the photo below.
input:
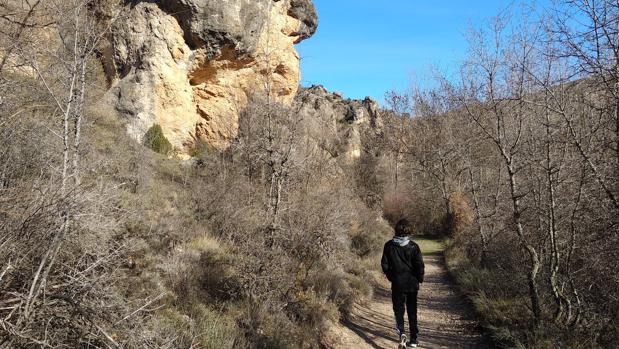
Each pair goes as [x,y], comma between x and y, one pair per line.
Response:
[494,288]
[265,328]
[424,217]
[461,214]
[368,233]
[202,272]
[313,307]
[201,327]
[368,183]
[397,206]
[340,288]
[365,244]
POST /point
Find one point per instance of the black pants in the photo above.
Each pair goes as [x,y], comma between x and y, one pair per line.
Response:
[401,299]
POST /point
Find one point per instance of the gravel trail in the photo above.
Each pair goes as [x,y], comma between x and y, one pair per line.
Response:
[445,319]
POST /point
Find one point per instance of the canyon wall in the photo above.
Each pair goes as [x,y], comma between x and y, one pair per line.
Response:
[190,65]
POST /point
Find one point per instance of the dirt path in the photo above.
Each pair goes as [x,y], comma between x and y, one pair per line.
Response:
[444,318]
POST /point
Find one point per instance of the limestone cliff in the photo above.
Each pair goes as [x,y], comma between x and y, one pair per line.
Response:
[190,65]
[338,123]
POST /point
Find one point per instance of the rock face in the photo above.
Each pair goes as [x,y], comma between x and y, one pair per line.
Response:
[190,65]
[338,123]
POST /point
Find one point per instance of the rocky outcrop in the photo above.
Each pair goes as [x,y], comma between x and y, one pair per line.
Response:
[147,69]
[190,65]
[304,11]
[338,123]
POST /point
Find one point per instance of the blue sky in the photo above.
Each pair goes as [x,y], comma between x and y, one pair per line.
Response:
[368,47]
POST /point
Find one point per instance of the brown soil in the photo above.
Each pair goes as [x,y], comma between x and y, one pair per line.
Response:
[445,319]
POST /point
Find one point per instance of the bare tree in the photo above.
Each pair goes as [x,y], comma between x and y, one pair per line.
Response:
[400,104]
[56,288]
[587,33]
[528,132]
[495,104]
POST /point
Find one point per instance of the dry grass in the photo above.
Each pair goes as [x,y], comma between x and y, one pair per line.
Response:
[430,245]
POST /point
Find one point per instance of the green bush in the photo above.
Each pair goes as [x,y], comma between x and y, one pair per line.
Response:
[155,140]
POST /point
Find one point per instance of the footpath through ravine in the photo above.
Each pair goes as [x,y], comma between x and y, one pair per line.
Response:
[445,318]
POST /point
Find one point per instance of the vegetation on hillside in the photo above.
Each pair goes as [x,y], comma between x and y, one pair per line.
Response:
[517,162]
[107,243]
[155,140]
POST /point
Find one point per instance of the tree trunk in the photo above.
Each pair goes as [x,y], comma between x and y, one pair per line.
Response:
[532,252]
[573,319]
[554,260]
[482,233]
[72,107]
[560,299]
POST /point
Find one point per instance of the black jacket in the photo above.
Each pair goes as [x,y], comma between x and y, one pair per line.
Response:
[403,265]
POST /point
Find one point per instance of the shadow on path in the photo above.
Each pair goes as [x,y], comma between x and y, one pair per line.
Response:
[445,320]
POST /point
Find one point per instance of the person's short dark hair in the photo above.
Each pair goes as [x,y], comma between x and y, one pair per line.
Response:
[402,227]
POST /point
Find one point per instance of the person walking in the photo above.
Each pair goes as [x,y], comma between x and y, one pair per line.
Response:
[402,263]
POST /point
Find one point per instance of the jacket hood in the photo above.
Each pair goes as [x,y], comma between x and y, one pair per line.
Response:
[401,240]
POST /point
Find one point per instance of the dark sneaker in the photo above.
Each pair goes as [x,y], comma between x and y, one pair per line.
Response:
[412,343]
